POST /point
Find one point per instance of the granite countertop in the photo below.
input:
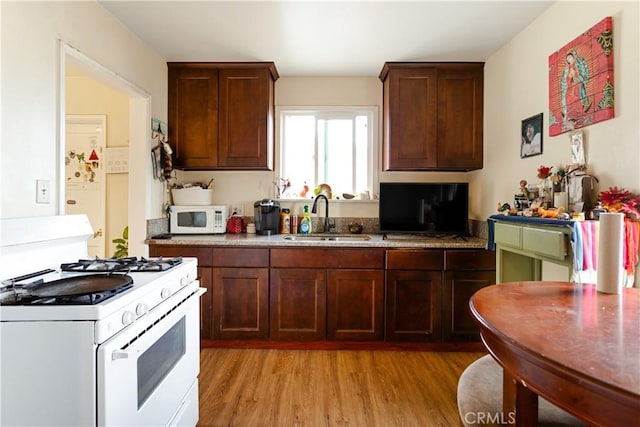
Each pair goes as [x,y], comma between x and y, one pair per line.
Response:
[344,240]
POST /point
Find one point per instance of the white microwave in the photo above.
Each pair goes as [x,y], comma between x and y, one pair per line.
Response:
[198,219]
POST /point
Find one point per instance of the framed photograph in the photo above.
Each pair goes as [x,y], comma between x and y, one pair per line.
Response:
[531,136]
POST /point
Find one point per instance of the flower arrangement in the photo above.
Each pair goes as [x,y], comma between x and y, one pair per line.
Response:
[616,199]
[544,172]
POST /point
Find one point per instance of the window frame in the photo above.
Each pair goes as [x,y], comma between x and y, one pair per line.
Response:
[333,112]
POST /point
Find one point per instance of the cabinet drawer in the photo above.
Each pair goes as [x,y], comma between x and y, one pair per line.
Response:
[240,257]
[419,259]
[203,254]
[510,235]
[470,260]
[545,242]
[327,258]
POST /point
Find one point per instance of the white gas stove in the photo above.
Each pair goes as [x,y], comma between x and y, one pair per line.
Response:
[103,345]
[147,291]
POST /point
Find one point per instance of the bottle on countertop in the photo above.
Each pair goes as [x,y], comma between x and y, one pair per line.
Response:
[305,221]
[285,221]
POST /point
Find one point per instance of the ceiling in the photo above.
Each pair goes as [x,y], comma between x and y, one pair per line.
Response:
[326,38]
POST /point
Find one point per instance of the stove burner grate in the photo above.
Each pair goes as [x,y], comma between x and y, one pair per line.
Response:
[130,264]
[78,290]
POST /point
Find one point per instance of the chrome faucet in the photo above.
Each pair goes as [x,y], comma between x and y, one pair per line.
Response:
[314,209]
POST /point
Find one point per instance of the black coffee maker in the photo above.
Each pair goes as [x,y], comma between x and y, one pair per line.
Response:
[266,213]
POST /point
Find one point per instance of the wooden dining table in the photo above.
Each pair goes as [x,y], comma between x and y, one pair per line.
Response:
[567,342]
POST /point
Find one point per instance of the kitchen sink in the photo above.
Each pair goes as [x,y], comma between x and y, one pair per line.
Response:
[327,237]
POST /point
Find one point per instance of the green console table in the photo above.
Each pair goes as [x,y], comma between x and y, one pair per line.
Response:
[522,244]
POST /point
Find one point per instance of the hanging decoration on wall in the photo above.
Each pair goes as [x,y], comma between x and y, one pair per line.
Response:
[161,151]
[581,80]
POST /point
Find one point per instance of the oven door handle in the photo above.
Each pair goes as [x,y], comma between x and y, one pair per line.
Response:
[119,354]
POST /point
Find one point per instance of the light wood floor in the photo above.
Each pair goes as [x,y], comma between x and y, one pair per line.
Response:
[266,387]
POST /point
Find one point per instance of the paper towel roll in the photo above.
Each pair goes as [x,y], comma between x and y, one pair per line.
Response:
[561,198]
[610,240]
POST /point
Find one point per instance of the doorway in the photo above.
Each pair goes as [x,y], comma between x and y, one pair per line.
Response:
[138,138]
[85,180]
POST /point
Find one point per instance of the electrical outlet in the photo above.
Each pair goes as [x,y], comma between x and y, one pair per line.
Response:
[43,190]
[238,209]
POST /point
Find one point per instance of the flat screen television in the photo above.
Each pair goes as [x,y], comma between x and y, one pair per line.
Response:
[424,207]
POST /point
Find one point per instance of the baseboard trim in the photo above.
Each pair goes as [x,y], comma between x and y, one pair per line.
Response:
[344,345]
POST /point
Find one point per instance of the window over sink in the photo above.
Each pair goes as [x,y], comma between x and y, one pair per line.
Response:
[327,145]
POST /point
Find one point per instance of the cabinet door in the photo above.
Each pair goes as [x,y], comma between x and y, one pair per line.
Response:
[246,116]
[459,286]
[460,117]
[240,303]
[193,116]
[298,304]
[204,275]
[413,305]
[355,304]
[410,120]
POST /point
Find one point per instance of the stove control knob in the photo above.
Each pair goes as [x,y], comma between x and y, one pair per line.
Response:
[184,281]
[128,317]
[165,293]
[141,309]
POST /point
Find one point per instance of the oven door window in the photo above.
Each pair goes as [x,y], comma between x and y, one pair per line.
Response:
[192,219]
[159,359]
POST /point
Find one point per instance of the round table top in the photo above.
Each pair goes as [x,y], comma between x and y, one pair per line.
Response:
[572,326]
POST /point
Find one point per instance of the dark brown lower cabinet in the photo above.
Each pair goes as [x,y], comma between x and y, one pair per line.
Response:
[355,305]
[240,303]
[428,291]
[297,304]
[340,294]
[466,271]
[413,305]
[327,293]
[317,304]
[459,286]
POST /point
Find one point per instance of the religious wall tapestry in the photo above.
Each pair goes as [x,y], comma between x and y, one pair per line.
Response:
[581,80]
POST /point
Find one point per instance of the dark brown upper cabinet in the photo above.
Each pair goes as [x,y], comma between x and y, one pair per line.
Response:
[433,115]
[221,115]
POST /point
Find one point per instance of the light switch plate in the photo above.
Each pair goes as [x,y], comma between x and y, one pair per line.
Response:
[43,191]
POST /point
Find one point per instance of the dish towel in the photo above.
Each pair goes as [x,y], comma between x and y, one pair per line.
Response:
[585,251]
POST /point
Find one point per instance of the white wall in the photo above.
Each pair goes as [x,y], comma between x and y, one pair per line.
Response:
[30,75]
[516,87]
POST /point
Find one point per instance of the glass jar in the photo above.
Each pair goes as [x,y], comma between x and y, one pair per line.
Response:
[597,210]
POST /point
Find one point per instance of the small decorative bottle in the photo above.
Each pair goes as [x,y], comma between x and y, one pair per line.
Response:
[285,221]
